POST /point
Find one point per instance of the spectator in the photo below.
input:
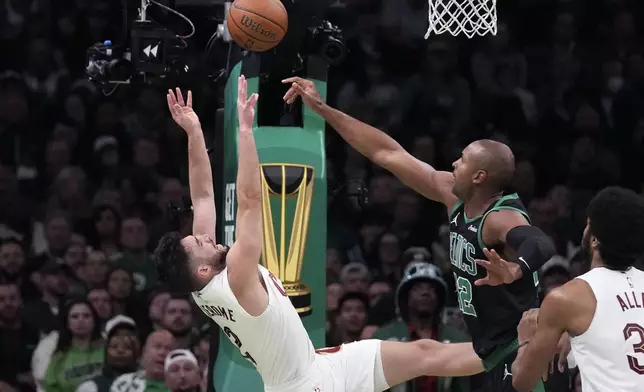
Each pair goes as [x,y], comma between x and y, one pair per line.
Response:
[120,286]
[182,372]
[12,267]
[152,373]
[353,310]
[101,301]
[106,230]
[178,320]
[17,339]
[158,301]
[135,257]
[122,351]
[55,284]
[420,299]
[79,352]
[94,270]
[355,277]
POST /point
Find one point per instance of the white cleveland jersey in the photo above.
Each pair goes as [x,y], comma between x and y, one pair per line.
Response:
[610,354]
[275,342]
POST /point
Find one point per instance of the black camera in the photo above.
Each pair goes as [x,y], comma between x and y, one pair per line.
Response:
[108,64]
[327,41]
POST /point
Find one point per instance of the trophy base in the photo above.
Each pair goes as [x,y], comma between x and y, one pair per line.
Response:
[300,296]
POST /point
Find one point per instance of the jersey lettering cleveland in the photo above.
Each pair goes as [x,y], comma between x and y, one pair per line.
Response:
[491,313]
[275,342]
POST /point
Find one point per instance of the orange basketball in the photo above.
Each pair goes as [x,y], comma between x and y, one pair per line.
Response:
[257,25]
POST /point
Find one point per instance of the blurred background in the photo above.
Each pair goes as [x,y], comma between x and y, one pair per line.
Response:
[86,179]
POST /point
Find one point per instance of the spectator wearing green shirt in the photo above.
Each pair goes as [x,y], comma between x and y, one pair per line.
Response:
[79,352]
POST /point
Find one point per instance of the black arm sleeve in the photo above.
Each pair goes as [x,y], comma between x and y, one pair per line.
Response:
[534,248]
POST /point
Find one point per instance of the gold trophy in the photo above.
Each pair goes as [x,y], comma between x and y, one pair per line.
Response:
[288,187]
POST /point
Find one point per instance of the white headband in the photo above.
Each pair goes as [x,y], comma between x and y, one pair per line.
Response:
[179,355]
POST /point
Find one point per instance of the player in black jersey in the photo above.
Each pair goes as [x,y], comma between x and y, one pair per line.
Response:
[487,228]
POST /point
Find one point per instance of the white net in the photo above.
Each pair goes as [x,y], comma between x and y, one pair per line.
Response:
[469,17]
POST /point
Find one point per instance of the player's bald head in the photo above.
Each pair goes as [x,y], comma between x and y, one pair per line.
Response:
[497,160]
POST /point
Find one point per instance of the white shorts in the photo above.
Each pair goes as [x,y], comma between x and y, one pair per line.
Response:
[352,367]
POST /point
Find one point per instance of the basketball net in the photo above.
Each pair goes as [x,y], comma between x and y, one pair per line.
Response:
[469,17]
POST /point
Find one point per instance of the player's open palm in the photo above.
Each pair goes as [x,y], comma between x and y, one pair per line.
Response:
[499,271]
[181,110]
[245,104]
[302,88]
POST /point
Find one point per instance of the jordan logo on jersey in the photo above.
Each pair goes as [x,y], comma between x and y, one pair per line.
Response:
[506,373]
[453,222]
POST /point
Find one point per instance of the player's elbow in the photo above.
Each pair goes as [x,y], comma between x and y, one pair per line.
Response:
[388,157]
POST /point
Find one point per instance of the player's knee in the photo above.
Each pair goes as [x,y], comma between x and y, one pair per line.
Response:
[427,346]
[448,359]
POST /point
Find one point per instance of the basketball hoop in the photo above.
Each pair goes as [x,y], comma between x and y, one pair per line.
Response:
[469,17]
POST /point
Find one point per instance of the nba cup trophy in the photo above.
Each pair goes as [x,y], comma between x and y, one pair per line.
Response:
[291,148]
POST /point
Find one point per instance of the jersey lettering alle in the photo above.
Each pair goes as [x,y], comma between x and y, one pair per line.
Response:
[610,354]
[276,342]
[491,313]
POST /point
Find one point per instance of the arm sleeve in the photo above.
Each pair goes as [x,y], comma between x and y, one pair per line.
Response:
[534,248]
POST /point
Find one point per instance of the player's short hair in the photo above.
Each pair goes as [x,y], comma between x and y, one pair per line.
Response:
[173,264]
[499,163]
[616,219]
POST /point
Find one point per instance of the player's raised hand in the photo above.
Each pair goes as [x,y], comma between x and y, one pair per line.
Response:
[245,104]
[305,89]
[181,110]
[499,271]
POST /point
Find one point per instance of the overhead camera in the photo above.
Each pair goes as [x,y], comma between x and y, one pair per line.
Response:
[151,49]
[148,50]
[327,41]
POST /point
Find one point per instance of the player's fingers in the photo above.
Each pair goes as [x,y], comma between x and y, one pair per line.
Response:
[171,97]
[294,79]
[483,263]
[495,255]
[189,102]
[252,100]
[180,99]
[170,103]
[176,111]
[242,89]
[483,281]
[290,95]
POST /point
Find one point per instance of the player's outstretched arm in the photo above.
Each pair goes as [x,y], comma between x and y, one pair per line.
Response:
[199,171]
[377,146]
[540,331]
[247,249]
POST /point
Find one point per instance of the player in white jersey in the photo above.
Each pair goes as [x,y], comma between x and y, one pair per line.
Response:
[250,304]
[602,310]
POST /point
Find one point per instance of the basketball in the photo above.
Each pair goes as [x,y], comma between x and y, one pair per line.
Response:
[257,25]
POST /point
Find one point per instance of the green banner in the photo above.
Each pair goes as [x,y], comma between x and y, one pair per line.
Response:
[294,205]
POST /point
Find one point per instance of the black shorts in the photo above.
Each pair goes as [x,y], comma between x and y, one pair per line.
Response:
[499,379]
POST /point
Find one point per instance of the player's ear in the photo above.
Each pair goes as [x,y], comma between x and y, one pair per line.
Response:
[479,176]
[204,271]
[594,242]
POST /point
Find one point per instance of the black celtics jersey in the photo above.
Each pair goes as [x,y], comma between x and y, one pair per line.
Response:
[492,313]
